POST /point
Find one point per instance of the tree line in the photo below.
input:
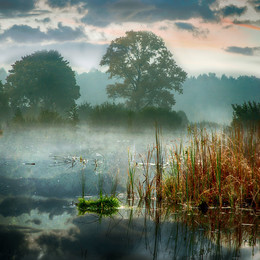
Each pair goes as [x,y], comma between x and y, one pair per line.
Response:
[42,86]
[144,79]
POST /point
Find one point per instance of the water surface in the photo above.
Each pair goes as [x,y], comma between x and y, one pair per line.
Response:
[39,220]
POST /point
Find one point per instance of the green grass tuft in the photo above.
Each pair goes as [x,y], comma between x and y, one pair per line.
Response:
[105,206]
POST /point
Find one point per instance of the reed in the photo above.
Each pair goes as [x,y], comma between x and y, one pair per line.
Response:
[159,164]
[213,169]
[219,169]
[131,177]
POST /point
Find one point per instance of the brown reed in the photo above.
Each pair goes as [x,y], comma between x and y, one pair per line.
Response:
[219,169]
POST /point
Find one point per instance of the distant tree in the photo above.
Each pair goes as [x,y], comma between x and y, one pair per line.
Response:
[73,114]
[49,117]
[147,69]
[247,114]
[18,116]
[84,111]
[42,80]
[4,106]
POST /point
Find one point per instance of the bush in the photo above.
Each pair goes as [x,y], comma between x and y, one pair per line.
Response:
[118,114]
[84,111]
[247,114]
[49,117]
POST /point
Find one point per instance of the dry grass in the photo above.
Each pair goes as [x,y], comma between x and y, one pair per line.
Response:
[219,169]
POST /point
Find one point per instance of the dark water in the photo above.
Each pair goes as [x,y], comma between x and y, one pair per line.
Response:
[38,219]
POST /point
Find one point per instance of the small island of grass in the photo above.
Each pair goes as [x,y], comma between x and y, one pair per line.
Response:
[105,205]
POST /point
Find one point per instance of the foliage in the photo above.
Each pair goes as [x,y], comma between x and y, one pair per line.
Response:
[147,68]
[108,113]
[42,80]
[49,117]
[105,206]
[118,114]
[248,113]
[4,106]
[163,116]
[18,117]
[84,111]
[73,115]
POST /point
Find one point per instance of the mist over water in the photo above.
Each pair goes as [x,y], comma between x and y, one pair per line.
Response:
[22,147]
[38,192]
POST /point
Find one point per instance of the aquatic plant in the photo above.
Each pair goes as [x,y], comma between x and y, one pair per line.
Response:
[130,177]
[213,169]
[104,205]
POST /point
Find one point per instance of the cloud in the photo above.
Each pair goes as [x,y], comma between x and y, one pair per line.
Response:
[65,33]
[103,12]
[16,206]
[17,5]
[27,34]
[12,7]
[62,3]
[255,4]
[248,51]
[45,20]
[196,32]
[23,33]
[250,22]
[232,10]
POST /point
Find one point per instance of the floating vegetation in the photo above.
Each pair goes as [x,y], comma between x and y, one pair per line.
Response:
[104,206]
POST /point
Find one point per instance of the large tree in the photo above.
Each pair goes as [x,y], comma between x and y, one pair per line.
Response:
[42,80]
[146,68]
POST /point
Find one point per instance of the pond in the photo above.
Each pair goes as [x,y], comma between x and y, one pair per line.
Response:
[39,219]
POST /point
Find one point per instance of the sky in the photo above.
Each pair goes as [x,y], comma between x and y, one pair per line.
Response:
[220,36]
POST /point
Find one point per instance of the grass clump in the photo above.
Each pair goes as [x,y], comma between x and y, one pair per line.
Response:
[211,169]
[217,169]
[105,206]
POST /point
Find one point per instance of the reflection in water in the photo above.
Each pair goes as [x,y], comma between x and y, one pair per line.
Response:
[134,233]
[38,219]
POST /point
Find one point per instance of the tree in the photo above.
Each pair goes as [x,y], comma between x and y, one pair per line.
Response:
[42,80]
[147,68]
[247,114]
[4,106]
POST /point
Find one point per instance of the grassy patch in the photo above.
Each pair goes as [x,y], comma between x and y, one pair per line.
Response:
[105,206]
[217,169]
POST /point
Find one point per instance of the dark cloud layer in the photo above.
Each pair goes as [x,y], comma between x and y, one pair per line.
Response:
[16,206]
[250,22]
[14,7]
[104,12]
[255,4]
[45,20]
[248,51]
[17,5]
[25,33]
[196,32]
[65,33]
[232,10]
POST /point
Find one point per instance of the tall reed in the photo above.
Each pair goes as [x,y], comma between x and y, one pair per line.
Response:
[131,177]
[159,164]
[219,169]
